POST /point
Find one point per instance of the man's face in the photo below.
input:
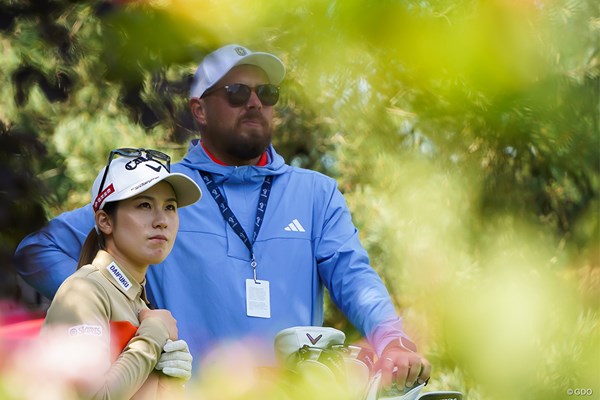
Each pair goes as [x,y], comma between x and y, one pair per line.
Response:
[235,135]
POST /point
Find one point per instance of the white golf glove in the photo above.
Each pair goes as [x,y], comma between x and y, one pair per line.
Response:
[176,360]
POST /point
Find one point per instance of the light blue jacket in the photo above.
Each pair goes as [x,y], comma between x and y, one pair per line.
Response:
[307,242]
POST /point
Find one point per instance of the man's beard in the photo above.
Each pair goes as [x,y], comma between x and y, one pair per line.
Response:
[251,144]
[249,149]
[239,144]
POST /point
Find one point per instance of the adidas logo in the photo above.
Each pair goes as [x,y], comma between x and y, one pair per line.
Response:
[295,226]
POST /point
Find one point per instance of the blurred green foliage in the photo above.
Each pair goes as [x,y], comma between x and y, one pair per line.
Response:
[465,135]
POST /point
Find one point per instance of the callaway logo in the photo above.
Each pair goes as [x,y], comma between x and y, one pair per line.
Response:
[314,340]
[131,165]
[157,169]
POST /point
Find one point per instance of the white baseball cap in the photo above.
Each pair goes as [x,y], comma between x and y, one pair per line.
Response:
[218,63]
[129,176]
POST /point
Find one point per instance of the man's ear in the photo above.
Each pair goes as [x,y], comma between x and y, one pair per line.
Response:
[197,106]
[104,222]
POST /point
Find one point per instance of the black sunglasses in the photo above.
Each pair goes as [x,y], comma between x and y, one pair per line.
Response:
[238,94]
[155,155]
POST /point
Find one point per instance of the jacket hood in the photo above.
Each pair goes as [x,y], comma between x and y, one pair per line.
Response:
[197,159]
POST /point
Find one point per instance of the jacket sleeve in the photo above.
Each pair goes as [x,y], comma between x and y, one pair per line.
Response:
[79,317]
[47,257]
[354,286]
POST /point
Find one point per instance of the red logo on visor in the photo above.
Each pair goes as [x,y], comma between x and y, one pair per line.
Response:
[102,196]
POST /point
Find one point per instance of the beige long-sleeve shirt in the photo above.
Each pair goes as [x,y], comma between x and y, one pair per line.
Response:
[83,309]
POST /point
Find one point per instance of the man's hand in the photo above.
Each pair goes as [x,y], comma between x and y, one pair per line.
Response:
[176,360]
[400,363]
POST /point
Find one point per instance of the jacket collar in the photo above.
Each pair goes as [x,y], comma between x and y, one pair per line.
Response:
[198,159]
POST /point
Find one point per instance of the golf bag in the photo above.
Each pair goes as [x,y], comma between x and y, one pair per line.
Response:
[320,356]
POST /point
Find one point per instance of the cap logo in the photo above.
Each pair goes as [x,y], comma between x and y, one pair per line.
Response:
[240,51]
[142,184]
[131,165]
[110,189]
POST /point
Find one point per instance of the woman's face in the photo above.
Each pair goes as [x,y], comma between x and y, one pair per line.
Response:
[144,228]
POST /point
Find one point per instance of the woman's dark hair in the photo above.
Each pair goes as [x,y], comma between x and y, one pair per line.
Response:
[95,240]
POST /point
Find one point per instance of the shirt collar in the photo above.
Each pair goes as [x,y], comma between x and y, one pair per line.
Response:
[118,276]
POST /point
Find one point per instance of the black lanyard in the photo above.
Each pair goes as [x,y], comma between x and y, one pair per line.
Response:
[230,217]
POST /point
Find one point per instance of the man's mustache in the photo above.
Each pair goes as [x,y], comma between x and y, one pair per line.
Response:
[255,115]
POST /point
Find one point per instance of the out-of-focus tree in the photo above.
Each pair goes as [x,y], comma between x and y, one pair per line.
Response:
[465,135]
[81,78]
